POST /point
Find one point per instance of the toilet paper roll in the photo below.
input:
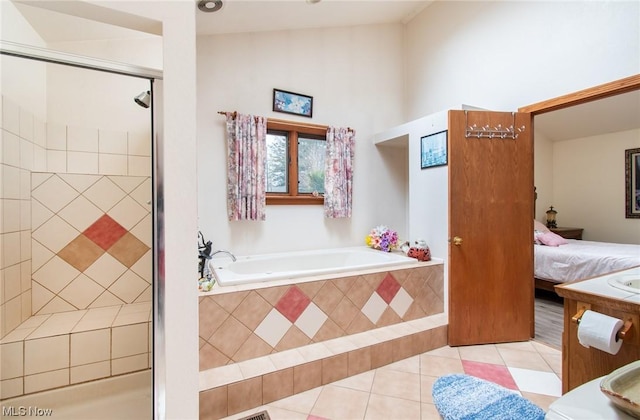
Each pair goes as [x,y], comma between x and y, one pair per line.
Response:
[599,331]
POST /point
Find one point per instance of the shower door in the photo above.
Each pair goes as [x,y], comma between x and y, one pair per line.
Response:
[77,263]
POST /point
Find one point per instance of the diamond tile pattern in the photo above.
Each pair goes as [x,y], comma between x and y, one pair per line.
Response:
[81,253]
[86,253]
[293,303]
[286,317]
[105,232]
[388,288]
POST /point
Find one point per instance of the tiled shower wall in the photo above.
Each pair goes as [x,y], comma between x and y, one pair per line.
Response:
[87,183]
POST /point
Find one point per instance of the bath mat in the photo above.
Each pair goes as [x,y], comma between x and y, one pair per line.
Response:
[464,397]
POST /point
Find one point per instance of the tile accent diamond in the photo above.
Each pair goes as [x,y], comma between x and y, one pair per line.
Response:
[273,327]
[128,249]
[311,320]
[388,288]
[293,303]
[401,302]
[81,253]
[374,308]
[105,232]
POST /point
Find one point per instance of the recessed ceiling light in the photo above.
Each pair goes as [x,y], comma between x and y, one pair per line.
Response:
[313,1]
[210,5]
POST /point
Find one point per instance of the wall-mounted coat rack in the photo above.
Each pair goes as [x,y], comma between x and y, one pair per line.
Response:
[489,132]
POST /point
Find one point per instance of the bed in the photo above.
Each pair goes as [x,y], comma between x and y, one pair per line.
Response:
[577,259]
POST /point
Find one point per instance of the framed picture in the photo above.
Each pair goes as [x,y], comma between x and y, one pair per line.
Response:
[292,103]
[433,150]
[632,183]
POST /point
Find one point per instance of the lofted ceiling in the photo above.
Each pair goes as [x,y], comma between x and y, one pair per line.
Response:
[609,115]
[72,21]
[60,21]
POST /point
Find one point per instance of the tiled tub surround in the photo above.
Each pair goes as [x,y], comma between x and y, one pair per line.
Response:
[55,350]
[264,344]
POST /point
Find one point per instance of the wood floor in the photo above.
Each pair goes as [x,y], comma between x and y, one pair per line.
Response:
[549,319]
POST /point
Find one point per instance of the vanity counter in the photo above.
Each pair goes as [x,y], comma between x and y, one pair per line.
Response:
[580,364]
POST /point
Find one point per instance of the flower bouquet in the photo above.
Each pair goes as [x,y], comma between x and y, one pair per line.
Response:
[382,238]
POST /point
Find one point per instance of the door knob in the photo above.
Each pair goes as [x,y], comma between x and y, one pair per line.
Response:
[457,241]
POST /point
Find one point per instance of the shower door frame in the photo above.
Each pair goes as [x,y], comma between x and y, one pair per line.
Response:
[155,79]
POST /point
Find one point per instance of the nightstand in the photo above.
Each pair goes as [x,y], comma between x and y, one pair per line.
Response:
[568,232]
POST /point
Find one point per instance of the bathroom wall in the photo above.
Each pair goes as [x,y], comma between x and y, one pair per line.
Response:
[504,55]
[22,138]
[589,186]
[355,76]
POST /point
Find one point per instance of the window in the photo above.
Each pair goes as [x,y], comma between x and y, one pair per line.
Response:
[295,162]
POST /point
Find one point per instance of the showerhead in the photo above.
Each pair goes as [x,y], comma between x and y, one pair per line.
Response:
[143,99]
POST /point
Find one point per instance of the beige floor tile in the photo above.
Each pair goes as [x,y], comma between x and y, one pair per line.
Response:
[397,384]
[302,402]
[446,351]
[518,345]
[384,407]
[524,360]
[426,386]
[438,366]
[361,382]
[484,354]
[554,361]
[341,403]
[429,412]
[410,365]
[544,348]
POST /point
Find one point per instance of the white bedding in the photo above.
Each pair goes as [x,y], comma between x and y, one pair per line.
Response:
[583,259]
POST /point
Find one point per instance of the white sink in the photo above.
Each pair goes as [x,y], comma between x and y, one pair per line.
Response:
[627,282]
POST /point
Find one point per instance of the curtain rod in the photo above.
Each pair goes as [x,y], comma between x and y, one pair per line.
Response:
[275,120]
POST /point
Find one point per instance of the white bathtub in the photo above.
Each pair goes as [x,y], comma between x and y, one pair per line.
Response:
[297,264]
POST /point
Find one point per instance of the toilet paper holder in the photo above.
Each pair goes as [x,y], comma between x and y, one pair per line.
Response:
[623,334]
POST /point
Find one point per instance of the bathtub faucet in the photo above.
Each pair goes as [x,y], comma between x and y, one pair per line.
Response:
[233,257]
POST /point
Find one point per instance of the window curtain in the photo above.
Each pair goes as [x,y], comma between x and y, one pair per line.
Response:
[338,178]
[246,158]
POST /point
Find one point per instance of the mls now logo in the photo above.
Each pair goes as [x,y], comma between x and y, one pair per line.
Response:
[12,411]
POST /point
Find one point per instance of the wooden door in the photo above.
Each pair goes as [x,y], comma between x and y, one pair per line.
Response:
[491,229]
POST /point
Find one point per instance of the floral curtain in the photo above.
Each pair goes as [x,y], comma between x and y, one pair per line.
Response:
[338,177]
[246,157]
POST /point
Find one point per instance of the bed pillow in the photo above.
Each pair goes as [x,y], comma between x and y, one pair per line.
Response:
[538,229]
[551,239]
[539,226]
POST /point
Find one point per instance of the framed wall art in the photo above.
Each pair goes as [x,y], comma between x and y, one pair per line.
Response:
[433,150]
[292,103]
[632,183]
